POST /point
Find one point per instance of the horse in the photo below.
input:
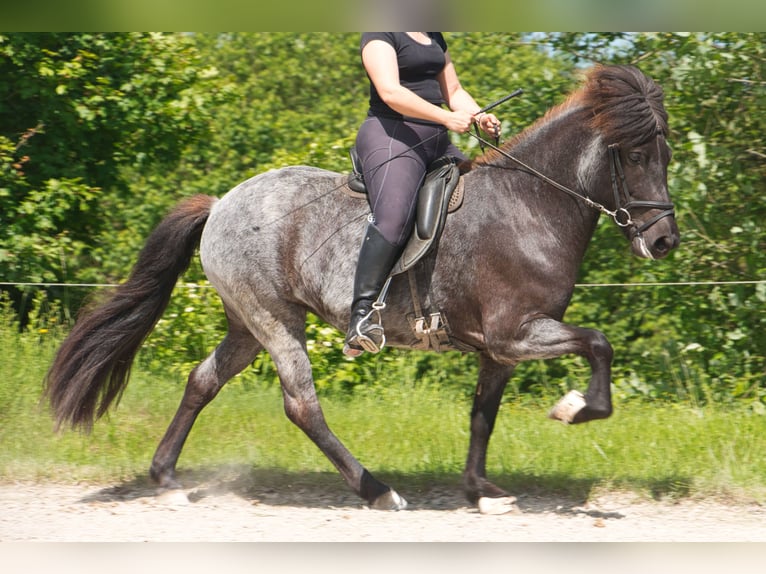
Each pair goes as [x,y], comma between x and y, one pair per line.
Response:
[284,243]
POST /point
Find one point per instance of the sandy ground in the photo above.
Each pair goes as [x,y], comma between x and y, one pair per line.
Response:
[236,508]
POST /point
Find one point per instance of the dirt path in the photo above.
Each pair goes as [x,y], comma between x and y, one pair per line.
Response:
[230,509]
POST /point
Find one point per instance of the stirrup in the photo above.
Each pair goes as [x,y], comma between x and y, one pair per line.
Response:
[362,341]
[374,343]
[366,336]
[368,343]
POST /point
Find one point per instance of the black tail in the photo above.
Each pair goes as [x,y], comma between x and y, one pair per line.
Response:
[92,366]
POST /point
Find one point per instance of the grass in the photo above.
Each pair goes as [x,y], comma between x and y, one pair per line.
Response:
[419,434]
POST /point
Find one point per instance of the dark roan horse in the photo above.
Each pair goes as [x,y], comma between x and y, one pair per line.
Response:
[284,243]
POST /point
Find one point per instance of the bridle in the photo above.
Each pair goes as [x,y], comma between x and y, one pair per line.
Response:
[621,214]
[623,202]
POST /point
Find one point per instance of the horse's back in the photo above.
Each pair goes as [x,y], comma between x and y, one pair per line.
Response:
[275,192]
[264,206]
[288,234]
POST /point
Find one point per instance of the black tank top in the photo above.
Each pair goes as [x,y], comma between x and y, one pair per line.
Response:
[419,66]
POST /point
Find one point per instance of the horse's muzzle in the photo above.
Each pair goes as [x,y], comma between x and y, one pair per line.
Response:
[658,241]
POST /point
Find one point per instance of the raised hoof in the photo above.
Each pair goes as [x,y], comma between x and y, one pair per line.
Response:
[389,500]
[568,407]
[504,505]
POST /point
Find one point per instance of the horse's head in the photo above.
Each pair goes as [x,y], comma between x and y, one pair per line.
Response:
[643,209]
[628,112]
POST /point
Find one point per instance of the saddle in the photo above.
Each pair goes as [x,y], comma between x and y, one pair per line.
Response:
[440,194]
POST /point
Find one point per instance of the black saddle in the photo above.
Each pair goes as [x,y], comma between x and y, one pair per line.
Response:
[434,197]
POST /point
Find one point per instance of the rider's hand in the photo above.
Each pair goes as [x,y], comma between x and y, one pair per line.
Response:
[459,121]
[488,123]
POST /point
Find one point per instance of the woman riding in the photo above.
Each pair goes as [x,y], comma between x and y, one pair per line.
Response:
[411,78]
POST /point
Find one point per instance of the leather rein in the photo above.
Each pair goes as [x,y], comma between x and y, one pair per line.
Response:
[623,202]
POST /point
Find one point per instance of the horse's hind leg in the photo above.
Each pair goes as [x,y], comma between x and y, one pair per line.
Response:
[302,407]
[491,499]
[237,350]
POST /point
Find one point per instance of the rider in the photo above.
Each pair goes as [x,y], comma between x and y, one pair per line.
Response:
[411,76]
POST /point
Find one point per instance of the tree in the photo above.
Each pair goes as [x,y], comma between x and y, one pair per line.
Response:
[75,110]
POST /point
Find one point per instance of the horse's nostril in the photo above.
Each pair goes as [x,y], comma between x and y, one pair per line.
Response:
[665,245]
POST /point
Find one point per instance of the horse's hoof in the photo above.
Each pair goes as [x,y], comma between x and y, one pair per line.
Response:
[173,497]
[502,505]
[165,479]
[566,409]
[389,500]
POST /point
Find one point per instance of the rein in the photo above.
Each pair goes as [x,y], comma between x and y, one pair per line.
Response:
[622,200]
[621,214]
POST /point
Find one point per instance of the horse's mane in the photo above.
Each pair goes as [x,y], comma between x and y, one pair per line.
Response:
[620,102]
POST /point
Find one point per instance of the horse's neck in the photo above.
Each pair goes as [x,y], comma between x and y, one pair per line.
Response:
[573,157]
[563,149]
[540,225]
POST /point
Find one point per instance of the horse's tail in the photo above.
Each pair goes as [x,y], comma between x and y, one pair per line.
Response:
[92,366]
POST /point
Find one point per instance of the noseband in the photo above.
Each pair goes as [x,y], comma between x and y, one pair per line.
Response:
[621,214]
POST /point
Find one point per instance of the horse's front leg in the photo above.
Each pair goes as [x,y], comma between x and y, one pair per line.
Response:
[546,338]
[491,499]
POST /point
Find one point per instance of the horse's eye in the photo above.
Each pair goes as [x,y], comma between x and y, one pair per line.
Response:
[635,157]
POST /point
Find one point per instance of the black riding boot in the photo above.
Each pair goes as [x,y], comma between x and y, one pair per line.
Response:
[376,258]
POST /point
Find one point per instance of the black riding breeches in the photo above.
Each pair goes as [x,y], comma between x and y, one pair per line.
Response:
[395,155]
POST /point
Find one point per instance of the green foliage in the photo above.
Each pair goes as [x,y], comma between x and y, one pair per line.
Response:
[77,109]
[98,101]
